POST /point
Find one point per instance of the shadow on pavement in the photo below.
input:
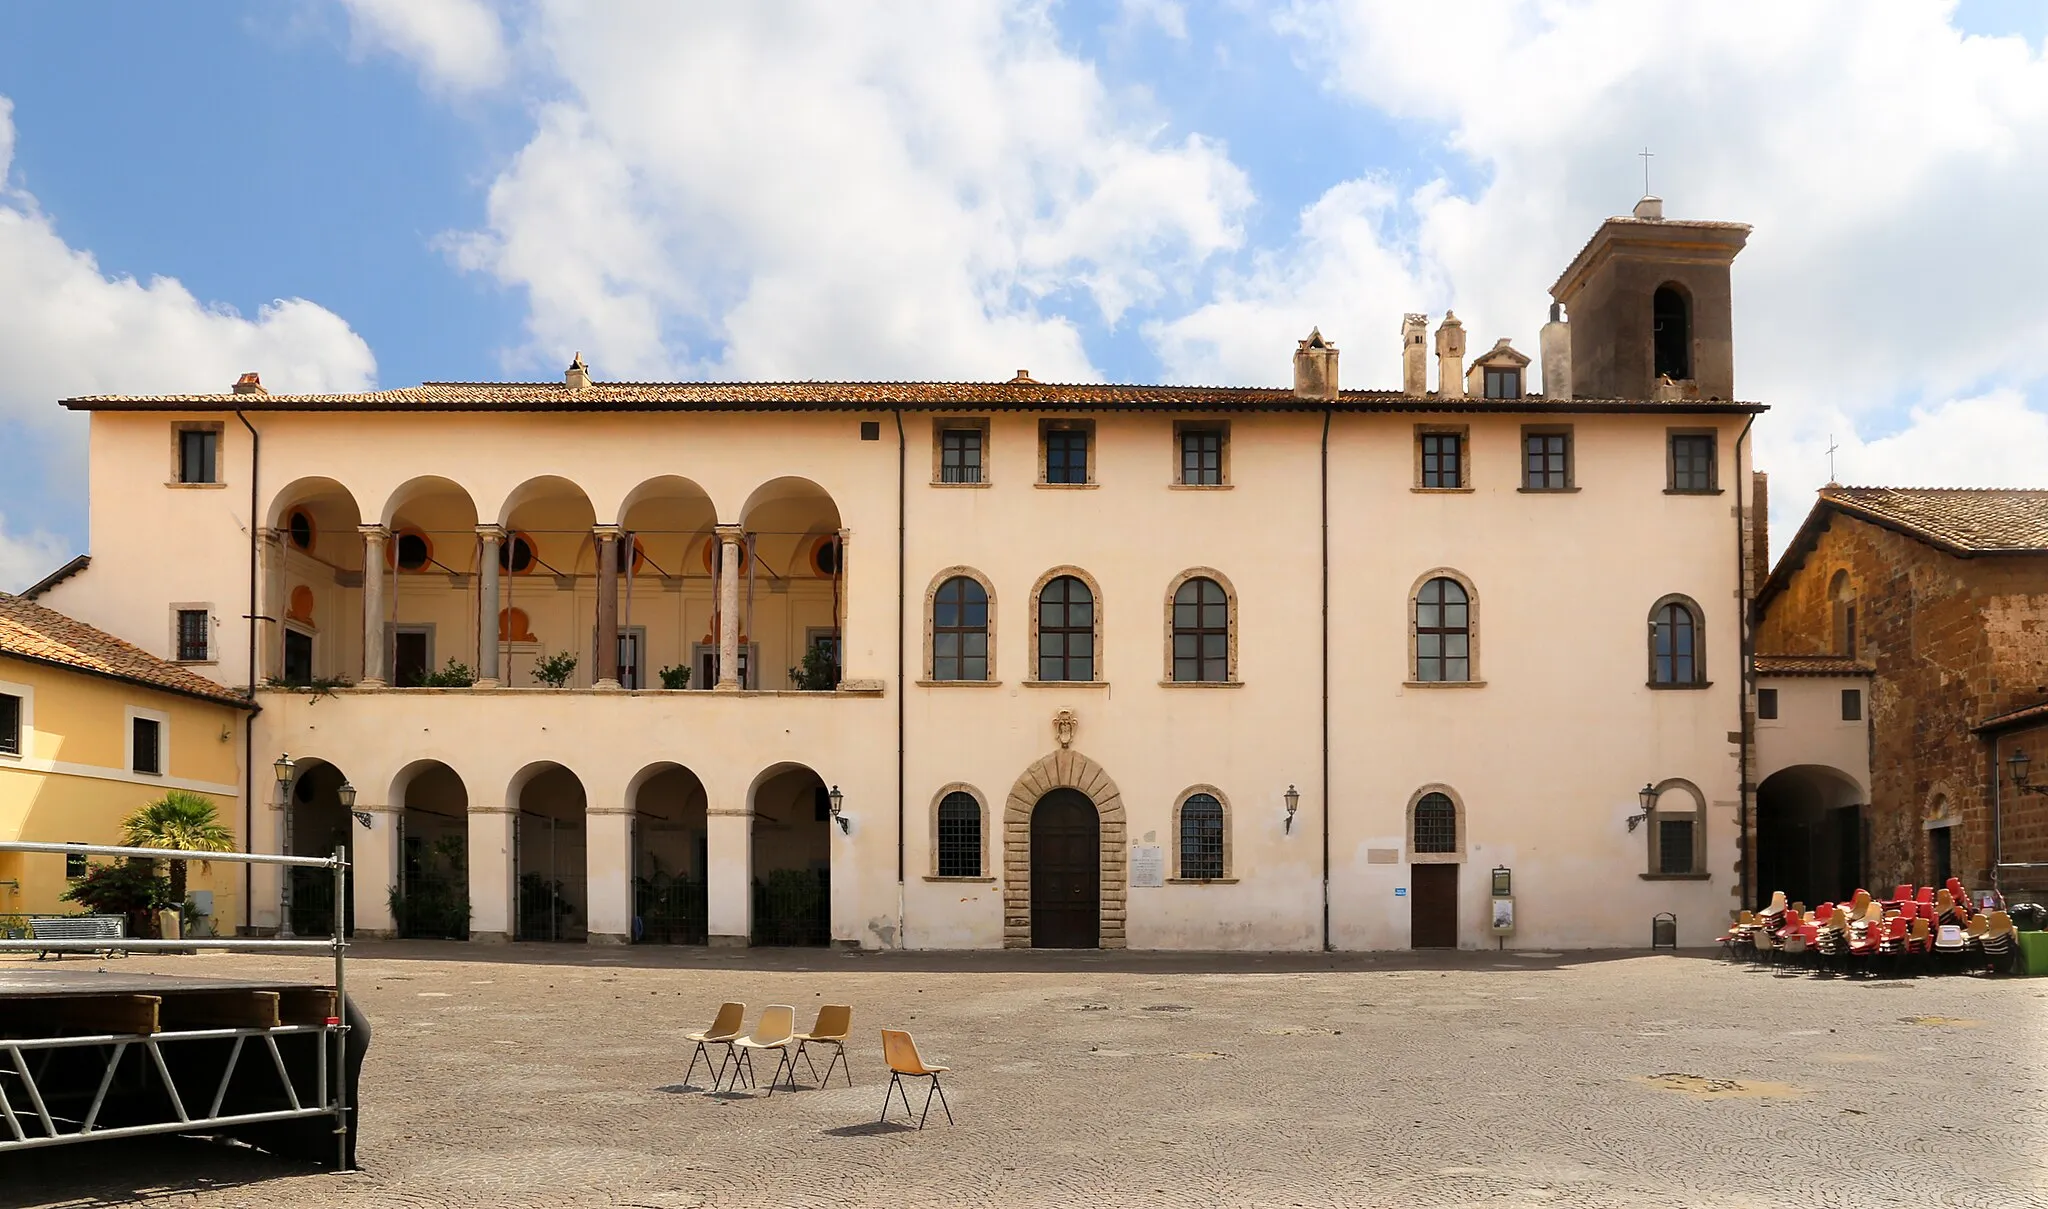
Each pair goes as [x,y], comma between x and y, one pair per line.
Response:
[137,1171]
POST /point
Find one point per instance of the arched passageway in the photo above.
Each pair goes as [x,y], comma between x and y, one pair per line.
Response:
[544,564]
[792,845]
[792,603]
[431,897]
[550,838]
[1810,835]
[669,857]
[319,825]
[312,582]
[429,564]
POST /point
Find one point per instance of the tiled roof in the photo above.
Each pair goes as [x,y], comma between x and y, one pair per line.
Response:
[1961,520]
[1810,665]
[56,577]
[860,396]
[30,631]
[2025,716]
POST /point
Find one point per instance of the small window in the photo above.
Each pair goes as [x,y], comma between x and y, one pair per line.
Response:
[1852,705]
[1692,461]
[870,430]
[1674,645]
[74,863]
[195,630]
[198,455]
[299,527]
[1201,457]
[1671,334]
[148,753]
[1503,382]
[1546,459]
[1066,455]
[960,631]
[959,835]
[1201,632]
[1443,632]
[1066,631]
[1201,837]
[824,557]
[298,657]
[411,551]
[1675,845]
[1767,704]
[1443,459]
[516,554]
[960,455]
[10,725]
[1436,824]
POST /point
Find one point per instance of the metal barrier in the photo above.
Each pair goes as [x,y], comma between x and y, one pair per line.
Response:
[330,1095]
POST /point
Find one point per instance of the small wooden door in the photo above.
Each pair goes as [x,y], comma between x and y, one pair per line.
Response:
[1066,872]
[1433,906]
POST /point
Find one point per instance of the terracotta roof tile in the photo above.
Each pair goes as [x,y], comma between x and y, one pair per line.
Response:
[1810,665]
[30,631]
[1960,519]
[2024,716]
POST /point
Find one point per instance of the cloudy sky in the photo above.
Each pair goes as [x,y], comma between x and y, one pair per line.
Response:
[351,193]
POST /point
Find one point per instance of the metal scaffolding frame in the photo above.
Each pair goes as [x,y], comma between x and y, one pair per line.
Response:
[330,1095]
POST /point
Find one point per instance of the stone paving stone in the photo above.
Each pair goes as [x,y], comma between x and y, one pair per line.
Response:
[547,1076]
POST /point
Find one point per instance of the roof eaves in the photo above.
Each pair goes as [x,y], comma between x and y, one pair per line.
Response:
[77,564]
[2010,719]
[226,696]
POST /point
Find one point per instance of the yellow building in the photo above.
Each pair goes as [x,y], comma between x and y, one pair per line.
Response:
[91,728]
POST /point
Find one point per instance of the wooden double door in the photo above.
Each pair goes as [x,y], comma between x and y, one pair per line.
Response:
[1433,906]
[1066,872]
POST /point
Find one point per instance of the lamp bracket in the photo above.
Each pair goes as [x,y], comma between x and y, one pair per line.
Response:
[363,817]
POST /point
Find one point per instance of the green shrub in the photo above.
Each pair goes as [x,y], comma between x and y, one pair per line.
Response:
[455,675]
[677,676]
[554,670]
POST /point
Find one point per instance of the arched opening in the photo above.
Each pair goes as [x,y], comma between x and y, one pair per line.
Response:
[666,602]
[431,899]
[669,857]
[1842,599]
[550,838]
[1066,872]
[1810,835]
[792,601]
[549,522]
[313,581]
[430,584]
[792,845]
[319,825]
[1671,333]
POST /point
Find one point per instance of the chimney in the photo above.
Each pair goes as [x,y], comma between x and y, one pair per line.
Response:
[1315,367]
[1651,208]
[1555,347]
[1759,531]
[1415,355]
[1023,375]
[577,376]
[1450,357]
[250,384]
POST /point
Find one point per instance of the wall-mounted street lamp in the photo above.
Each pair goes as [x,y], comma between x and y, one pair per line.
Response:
[838,801]
[1293,799]
[2016,764]
[287,773]
[1647,795]
[347,794]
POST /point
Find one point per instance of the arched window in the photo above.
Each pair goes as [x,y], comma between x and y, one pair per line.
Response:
[1443,632]
[1201,632]
[409,550]
[516,554]
[1436,824]
[960,631]
[1678,830]
[1676,657]
[300,528]
[1066,630]
[1843,596]
[959,835]
[1201,837]
[1671,333]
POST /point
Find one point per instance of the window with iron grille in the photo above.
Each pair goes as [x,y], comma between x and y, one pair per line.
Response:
[1066,455]
[1443,632]
[1503,383]
[959,835]
[74,863]
[1436,824]
[194,629]
[1442,459]
[1066,631]
[1546,461]
[1201,457]
[1852,705]
[1674,645]
[148,746]
[960,630]
[1692,461]
[1201,632]
[960,455]
[198,455]
[1201,837]
[1674,846]
[10,724]
[1767,704]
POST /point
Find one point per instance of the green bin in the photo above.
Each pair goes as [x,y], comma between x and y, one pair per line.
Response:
[2033,953]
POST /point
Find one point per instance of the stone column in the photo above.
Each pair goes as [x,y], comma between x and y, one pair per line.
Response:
[276,603]
[729,537]
[605,672]
[608,865]
[491,538]
[491,875]
[729,877]
[376,870]
[374,537]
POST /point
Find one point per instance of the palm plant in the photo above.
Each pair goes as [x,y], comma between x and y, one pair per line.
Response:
[179,820]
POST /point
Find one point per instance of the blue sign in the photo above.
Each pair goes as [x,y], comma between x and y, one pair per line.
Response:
[1400,892]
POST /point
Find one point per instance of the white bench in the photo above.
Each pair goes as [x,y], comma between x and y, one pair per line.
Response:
[77,927]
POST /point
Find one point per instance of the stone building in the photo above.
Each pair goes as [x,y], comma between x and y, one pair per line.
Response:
[976,664]
[1902,660]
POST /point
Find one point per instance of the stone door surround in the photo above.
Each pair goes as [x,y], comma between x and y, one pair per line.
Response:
[1065,769]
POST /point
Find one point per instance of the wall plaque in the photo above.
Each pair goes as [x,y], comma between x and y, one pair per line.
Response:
[1148,865]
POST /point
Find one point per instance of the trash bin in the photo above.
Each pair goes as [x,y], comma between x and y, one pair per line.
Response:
[1664,930]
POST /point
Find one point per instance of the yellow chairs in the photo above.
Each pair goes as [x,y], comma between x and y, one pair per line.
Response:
[833,1023]
[901,1053]
[724,1030]
[776,1030]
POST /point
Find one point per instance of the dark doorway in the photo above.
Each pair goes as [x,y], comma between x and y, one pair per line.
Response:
[1810,841]
[1433,906]
[298,657]
[1066,872]
[1671,327]
[409,659]
[1939,859]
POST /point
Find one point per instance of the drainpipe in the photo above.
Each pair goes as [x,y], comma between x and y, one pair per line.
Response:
[1325,487]
[902,496]
[249,723]
[1746,653]
[1997,848]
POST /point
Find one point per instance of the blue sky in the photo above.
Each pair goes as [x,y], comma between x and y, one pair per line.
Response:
[1123,189]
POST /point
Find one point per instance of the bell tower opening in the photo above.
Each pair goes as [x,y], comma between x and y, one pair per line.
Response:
[1671,333]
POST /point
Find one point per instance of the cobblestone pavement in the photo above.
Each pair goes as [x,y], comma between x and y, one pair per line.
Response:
[547,1076]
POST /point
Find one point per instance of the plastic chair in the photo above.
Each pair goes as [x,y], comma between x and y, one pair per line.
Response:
[901,1054]
[724,1030]
[776,1030]
[833,1023]
[1927,896]
[1902,894]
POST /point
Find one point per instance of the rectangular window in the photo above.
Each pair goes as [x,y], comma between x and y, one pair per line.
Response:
[1692,461]
[1852,705]
[10,724]
[148,753]
[1546,459]
[74,863]
[707,666]
[298,657]
[960,455]
[1066,455]
[198,455]
[1767,704]
[1674,845]
[631,642]
[195,631]
[1503,383]
[1443,459]
[1201,457]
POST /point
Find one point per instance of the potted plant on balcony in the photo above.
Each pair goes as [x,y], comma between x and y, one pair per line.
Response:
[675,676]
[819,672]
[554,670]
[455,675]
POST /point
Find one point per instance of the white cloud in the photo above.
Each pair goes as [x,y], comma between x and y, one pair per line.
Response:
[817,188]
[1170,17]
[26,559]
[458,44]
